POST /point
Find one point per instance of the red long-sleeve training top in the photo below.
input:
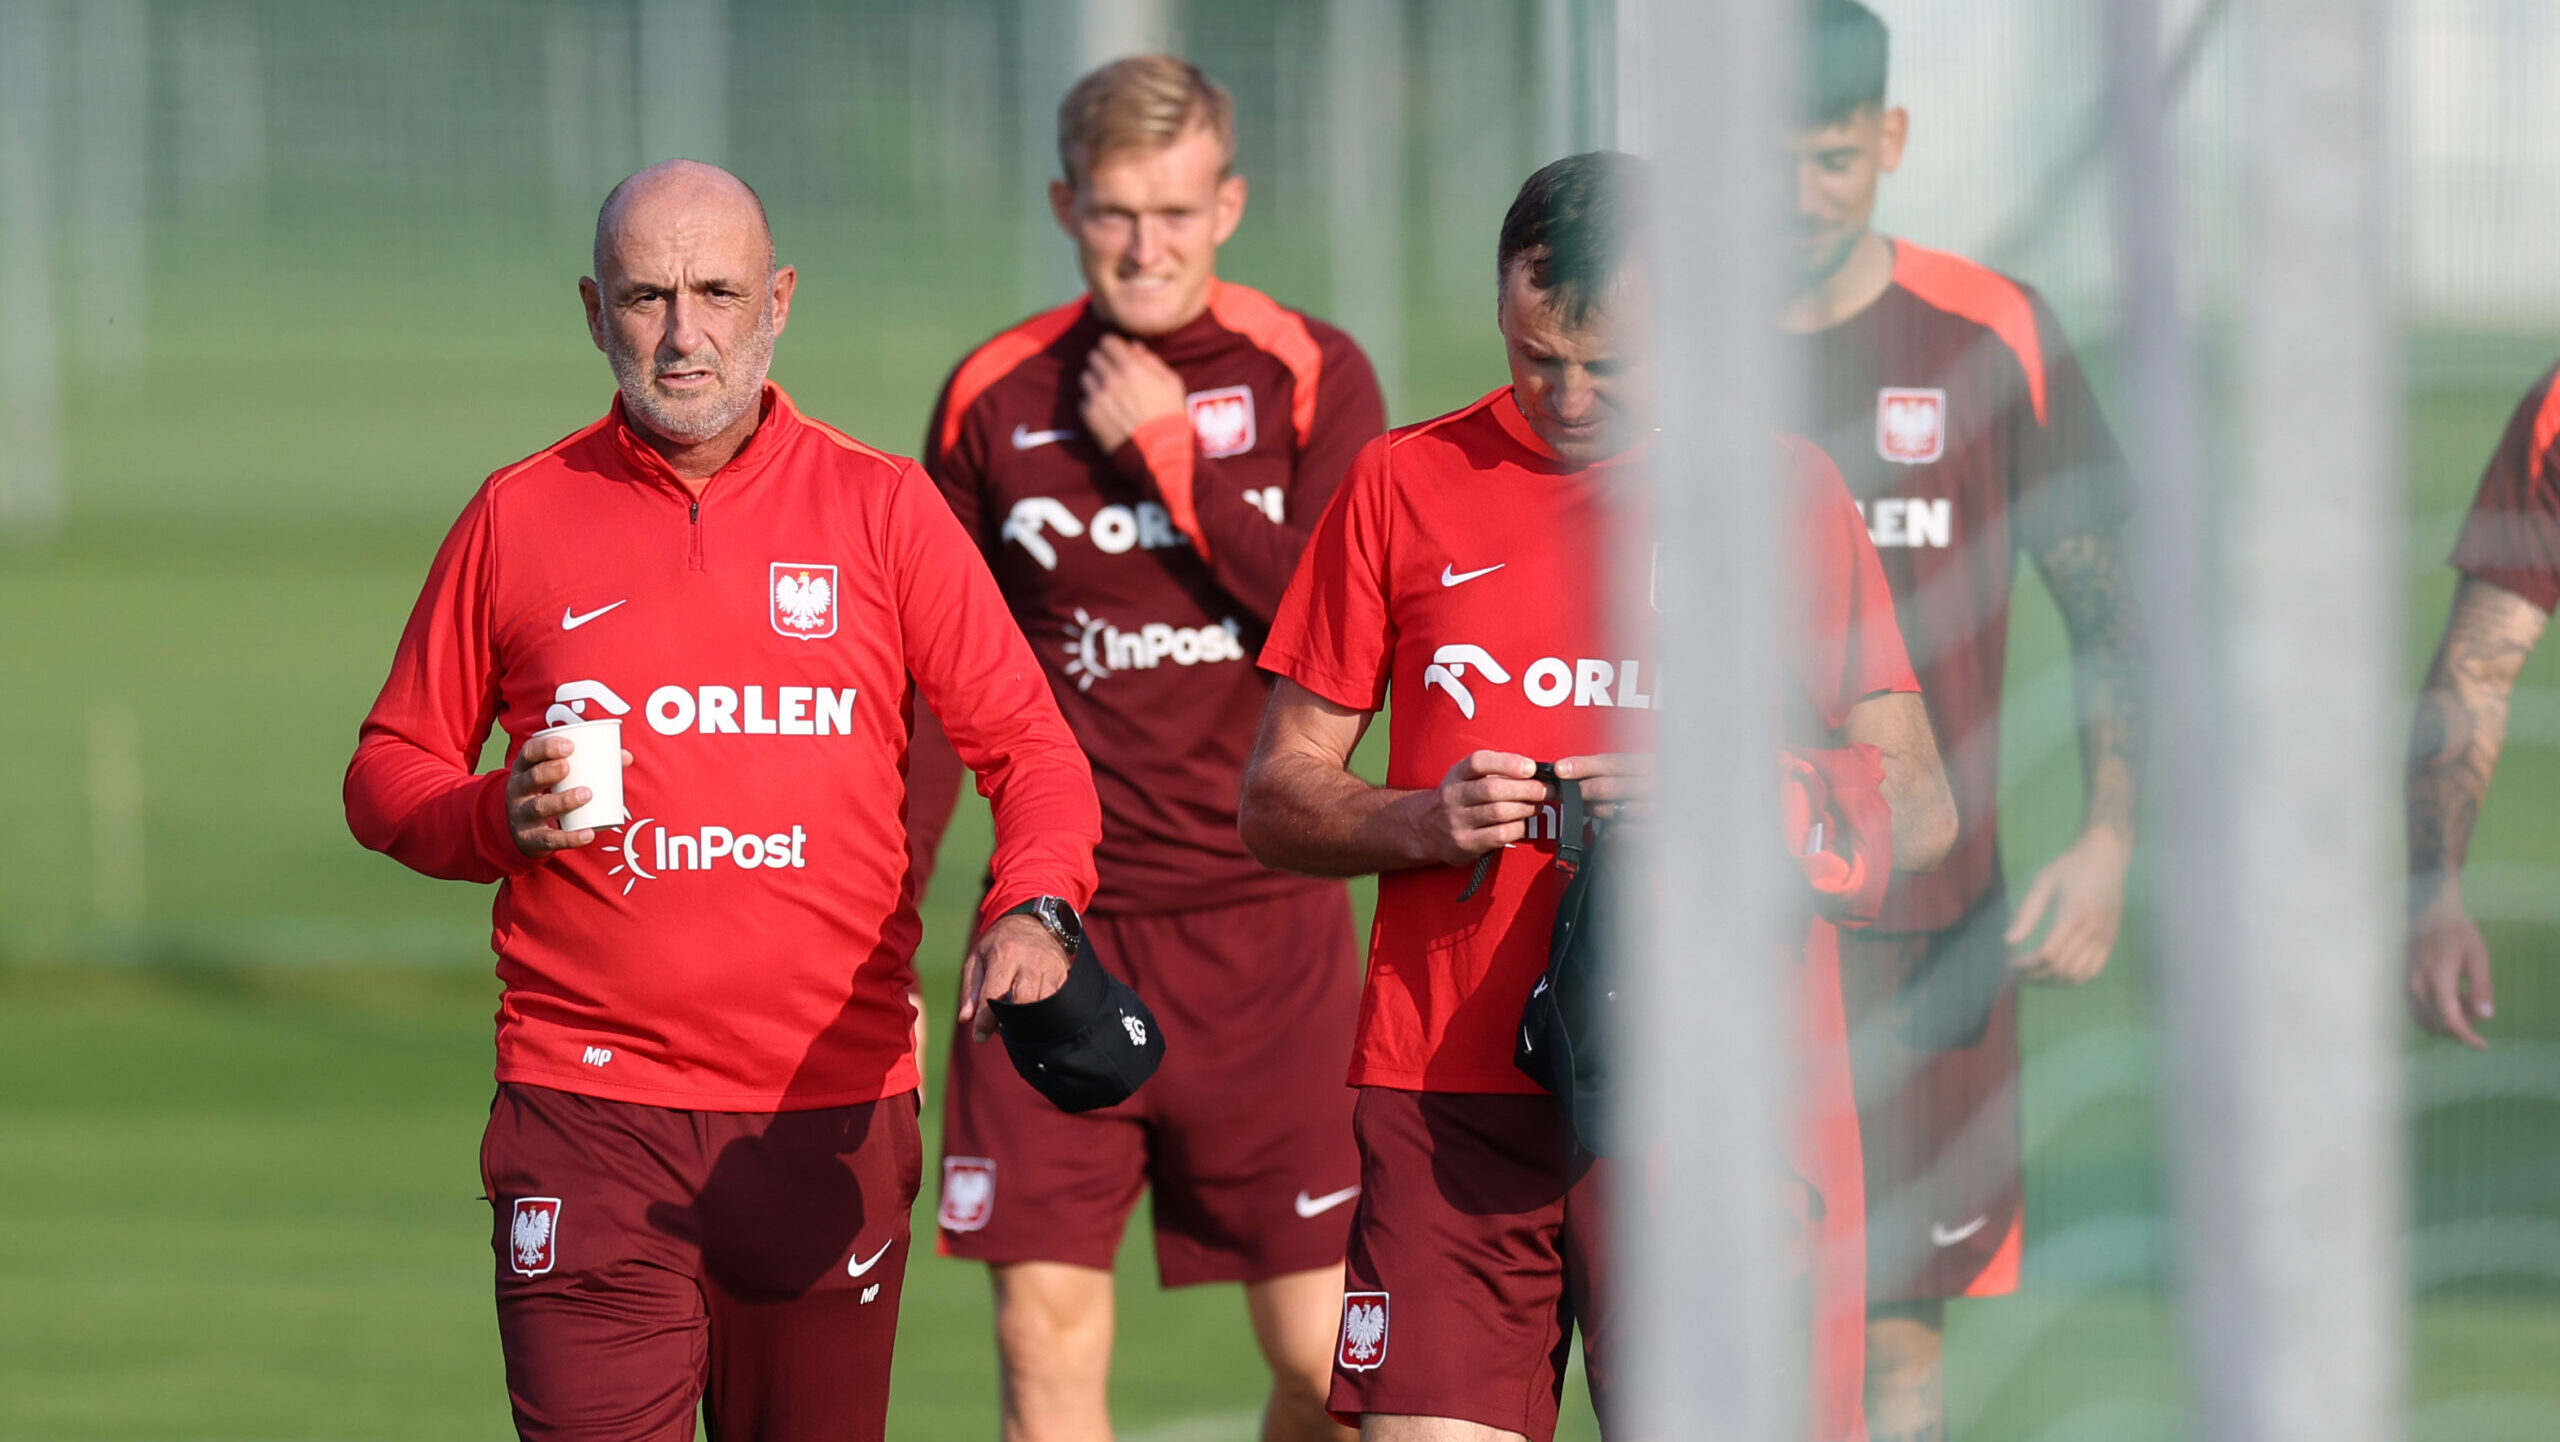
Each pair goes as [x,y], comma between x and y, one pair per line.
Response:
[744,942]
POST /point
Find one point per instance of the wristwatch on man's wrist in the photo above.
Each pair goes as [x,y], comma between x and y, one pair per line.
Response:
[1057,916]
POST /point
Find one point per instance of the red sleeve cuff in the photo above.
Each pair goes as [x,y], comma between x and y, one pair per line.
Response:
[1163,446]
[493,837]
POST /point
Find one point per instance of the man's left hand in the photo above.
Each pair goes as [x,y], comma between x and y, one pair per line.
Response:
[1126,385]
[1015,960]
[2083,888]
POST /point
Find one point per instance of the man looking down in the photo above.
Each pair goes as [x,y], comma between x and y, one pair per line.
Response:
[1457,571]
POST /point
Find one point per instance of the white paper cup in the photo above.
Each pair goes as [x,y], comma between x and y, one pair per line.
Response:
[596,763]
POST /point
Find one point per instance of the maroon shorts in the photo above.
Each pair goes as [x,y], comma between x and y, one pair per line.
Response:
[1476,1250]
[1244,1133]
[648,1259]
[1934,1049]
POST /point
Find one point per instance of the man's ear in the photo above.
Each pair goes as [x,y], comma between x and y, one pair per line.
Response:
[1231,199]
[1062,205]
[785,281]
[591,296]
[1896,132]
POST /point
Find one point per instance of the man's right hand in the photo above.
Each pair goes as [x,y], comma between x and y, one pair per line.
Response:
[531,805]
[2449,970]
[1482,805]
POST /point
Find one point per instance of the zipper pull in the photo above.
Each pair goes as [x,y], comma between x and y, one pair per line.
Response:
[696,517]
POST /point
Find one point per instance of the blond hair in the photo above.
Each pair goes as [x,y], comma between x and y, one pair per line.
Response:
[1142,102]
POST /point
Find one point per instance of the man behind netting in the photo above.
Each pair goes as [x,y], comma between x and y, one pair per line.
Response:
[1460,573]
[1963,424]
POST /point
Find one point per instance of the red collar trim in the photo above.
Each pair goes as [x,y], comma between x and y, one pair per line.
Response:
[1506,412]
[1505,405]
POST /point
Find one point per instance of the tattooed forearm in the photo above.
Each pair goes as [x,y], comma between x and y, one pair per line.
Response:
[2091,584]
[2460,726]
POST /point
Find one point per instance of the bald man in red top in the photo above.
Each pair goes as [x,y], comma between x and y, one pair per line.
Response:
[703,1149]
[1141,468]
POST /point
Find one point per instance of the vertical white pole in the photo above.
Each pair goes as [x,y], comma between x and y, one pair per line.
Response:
[684,81]
[1109,29]
[591,108]
[1061,40]
[2318,1114]
[30,355]
[1631,36]
[109,290]
[2195,896]
[1560,81]
[2275,891]
[1364,71]
[1708,1256]
[219,159]
[1044,68]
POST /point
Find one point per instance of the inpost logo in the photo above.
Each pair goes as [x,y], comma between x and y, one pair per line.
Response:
[650,850]
[1096,648]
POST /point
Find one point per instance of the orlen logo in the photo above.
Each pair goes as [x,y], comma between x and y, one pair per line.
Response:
[1548,681]
[1114,529]
[740,710]
[569,703]
[1096,648]
[1916,521]
[649,848]
[718,710]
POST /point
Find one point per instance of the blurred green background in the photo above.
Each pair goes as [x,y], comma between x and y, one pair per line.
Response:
[302,274]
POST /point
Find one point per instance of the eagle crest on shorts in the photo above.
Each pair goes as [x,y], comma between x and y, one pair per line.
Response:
[1364,1331]
[968,1193]
[804,600]
[530,1236]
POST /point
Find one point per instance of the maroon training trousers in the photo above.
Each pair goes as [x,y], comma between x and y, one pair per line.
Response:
[649,1258]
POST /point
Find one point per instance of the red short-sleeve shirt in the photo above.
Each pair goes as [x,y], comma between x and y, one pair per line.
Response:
[1459,571]
[2512,537]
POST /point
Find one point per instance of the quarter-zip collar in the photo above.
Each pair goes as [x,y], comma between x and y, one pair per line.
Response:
[774,429]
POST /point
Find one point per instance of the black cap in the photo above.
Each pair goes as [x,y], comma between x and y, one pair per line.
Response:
[1090,1044]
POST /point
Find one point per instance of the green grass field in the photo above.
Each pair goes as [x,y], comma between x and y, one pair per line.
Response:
[237,1197]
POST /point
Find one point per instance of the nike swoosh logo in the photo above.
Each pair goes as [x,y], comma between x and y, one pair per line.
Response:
[1317,1206]
[855,1267]
[1027,439]
[1452,576]
[1949,1236]
[571,620]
